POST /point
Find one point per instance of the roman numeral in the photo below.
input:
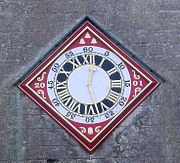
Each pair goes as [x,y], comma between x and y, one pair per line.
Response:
[77,108]
[89,110]
[63,95]
[116,83]
[85,109]
[112,71]
[70,103]
[62,90]
[102,61]
[90,57]
[73,105]
[61,85]
[62,71]
[113,96]
[103,106]
[75,62]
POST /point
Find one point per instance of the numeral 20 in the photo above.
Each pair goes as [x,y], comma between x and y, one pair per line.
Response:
[39,85]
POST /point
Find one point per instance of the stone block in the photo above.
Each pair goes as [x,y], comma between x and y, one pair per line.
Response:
[29,107]
[168,20]
[3,138]
[151,135]
[40,121]
[48,137]
[168,5]
[55,152]
[133,150]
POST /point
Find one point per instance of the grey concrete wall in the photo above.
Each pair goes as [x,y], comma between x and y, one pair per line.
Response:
[150,28]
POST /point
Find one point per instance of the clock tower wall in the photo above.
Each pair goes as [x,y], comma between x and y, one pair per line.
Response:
[30,29]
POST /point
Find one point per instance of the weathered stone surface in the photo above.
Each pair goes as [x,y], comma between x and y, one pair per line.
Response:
[55,152]
[150,28]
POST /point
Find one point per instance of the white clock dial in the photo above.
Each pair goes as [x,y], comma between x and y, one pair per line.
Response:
[89,85]
[78,85]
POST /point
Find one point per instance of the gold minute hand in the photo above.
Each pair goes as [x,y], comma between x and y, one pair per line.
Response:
[93,98]
[92,68]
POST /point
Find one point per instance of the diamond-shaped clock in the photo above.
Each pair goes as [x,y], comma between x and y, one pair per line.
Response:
[89,85]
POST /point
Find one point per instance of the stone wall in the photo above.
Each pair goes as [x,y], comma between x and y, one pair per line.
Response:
[149,28]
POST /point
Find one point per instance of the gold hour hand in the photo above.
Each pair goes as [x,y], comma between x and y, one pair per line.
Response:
[92,68]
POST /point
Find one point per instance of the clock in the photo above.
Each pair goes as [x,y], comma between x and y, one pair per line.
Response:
[90,84]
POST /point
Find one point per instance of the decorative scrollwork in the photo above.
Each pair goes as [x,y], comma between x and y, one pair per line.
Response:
[40,78]
[41,92]
[83,129]
[90,130]
[97,129]
[136,91]
[137,77]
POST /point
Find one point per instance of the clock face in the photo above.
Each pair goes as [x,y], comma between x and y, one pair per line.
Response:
[90,84]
